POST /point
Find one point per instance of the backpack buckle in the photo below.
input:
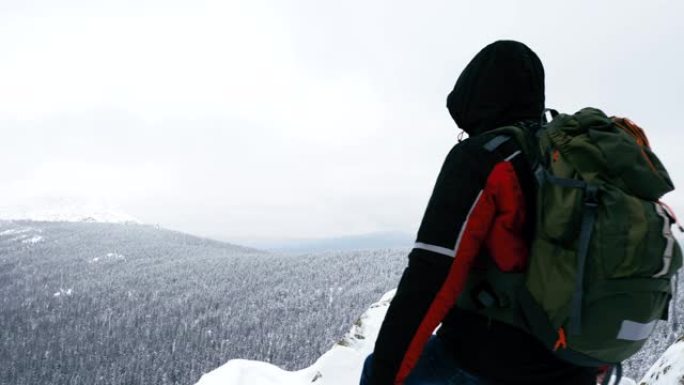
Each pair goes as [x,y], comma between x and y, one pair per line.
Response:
[591,196]
[484,297]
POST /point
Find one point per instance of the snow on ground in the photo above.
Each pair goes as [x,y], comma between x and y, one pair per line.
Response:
[26,235]
[33,240]
[20,230]
[341,365]
[109,257]
[64,292]
[669,369]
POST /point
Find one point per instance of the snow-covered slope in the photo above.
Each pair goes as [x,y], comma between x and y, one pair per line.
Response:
[25,235]
[341,365]
[669,369]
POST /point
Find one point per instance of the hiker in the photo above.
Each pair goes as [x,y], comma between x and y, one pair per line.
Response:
[480,212]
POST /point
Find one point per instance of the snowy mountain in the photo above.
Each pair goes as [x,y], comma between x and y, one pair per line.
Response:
[114,304]
[342,364]
[65,210]
[119,304]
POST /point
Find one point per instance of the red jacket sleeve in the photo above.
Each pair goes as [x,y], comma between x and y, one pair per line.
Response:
[476,199]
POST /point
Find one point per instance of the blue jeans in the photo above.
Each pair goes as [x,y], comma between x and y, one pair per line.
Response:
[434,367]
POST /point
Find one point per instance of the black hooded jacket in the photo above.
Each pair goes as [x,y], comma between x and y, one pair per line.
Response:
[502,85]
[478,211]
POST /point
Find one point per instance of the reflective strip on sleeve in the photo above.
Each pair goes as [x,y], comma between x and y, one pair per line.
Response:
[435,249]
[513,155]
[635,331]
[445,250]
[465,223]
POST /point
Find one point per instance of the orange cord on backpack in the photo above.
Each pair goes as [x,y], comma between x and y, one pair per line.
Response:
[562,341]
[633,129]
[555,155]
[639,135]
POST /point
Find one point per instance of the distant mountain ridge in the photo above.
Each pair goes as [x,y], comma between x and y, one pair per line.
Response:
[65,210]
[376,240]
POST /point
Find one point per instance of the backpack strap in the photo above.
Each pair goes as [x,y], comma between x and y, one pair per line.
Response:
[586,229]
[495,142]
[537,322]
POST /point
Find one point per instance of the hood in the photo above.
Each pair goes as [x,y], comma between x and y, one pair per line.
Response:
[503,84]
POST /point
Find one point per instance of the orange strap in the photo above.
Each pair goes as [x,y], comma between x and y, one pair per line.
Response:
[638,133]
[562,341]
[633,129]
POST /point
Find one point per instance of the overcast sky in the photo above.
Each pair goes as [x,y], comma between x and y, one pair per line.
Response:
[295,119]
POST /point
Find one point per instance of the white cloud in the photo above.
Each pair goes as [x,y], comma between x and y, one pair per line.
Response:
[299,118]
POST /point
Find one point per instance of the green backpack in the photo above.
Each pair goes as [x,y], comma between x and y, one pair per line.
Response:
[603,257]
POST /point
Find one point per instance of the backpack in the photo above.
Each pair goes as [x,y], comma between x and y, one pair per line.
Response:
[603,257]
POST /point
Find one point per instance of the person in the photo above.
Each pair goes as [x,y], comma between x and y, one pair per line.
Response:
[480,212]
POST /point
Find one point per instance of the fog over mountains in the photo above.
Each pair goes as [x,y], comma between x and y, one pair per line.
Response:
[378,240]
[63,209]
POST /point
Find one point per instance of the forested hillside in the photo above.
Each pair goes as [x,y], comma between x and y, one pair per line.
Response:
[94,303]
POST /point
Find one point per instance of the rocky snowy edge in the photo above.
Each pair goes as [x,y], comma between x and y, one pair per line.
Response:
[669,369]
[342,364]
